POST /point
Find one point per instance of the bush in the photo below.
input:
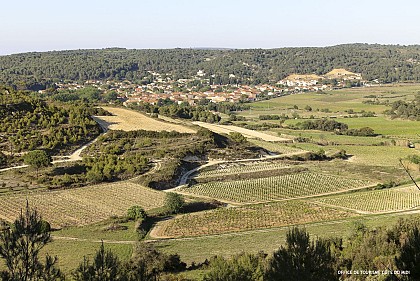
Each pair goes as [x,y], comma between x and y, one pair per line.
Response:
[174,202]
[136,212]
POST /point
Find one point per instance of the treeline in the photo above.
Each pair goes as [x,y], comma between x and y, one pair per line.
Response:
[387,63]
[27,123]
[87,95]
[405,110]
[174,110]
[334,126]
[383,253]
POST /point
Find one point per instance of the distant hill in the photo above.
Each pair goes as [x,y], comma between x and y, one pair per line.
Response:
[387,63]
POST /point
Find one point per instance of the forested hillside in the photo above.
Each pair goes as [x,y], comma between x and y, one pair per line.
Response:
[27,123]
[388,63]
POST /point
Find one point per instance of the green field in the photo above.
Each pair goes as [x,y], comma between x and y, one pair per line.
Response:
[276,147]
[337,101]
[368,155]
[396,128]
[71,252]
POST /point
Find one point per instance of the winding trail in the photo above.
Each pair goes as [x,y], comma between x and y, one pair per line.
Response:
[184,179]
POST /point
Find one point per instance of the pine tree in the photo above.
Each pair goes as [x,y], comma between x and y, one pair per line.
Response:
[20,245]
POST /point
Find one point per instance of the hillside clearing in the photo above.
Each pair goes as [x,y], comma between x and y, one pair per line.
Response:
[129,120]
[226,129]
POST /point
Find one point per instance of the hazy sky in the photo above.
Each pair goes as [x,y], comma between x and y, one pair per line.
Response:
[78,24]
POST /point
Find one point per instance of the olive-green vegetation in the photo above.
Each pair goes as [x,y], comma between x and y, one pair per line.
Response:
[28,123]
[406,110]
[184,111]
[387,63]
[334,126]
[20,246]
[174,202]
[37,159]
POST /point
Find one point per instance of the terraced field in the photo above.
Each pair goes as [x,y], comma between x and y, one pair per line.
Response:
[82,206]
[275,188]
[377,201]
[247,218]
[241,167]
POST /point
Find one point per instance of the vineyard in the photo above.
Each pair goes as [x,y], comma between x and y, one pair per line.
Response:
[275,188]
[396,199]
[247,218]
[241,167]
[81,206]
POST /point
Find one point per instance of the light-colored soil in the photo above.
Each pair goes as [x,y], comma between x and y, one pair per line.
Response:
[305,77]
[129,120]
[226,129]
[339,72]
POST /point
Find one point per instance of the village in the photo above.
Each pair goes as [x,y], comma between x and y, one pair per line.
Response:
[198,88]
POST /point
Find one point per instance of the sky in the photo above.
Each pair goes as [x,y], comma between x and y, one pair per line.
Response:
[46,25]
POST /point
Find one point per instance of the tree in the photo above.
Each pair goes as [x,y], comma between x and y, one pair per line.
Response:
[3,159]
[105,267]
[242,267]
[302,260]
[20,245]
[136,212]
[37,159]
[410,255]
[147,263]
[237,137]
[174,202]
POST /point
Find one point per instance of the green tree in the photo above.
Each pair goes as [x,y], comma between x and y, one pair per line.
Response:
[174,202]
[242,267]
[302,260]
[37,159]
[410,255]
[147,263]
[136,212]
[3,159]
[237,137]
[105,267]
[20,245]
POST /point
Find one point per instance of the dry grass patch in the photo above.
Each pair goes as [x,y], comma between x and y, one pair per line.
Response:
[251,134]
[129,120]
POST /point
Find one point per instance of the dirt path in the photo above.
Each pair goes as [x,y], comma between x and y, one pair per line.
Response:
[252,134]
[75,156]
[126,242]
[184,179]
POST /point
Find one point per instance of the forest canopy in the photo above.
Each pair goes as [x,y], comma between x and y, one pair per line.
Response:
[35,71]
